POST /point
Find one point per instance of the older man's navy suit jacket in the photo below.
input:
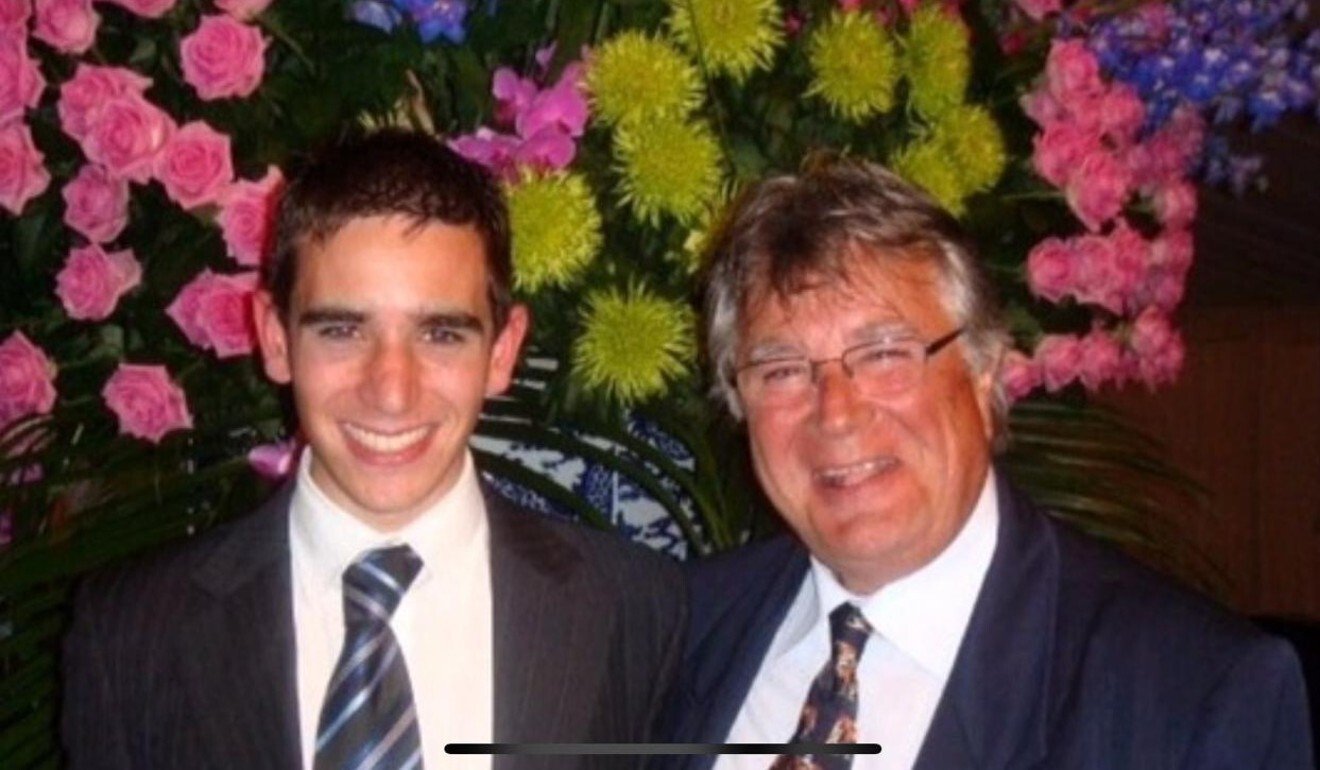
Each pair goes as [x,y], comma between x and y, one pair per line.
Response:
[1074,657]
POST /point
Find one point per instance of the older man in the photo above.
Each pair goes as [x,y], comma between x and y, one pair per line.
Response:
[921,603]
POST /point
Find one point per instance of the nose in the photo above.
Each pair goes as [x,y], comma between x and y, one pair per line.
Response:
[840,408]
[390,383]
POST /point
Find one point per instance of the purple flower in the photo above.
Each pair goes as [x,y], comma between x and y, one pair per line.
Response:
[373,13]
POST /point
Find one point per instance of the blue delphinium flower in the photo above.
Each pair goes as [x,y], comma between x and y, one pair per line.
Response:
[374,13]
[433,19]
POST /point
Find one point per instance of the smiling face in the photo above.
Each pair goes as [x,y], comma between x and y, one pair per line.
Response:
[390,350]
[876,488]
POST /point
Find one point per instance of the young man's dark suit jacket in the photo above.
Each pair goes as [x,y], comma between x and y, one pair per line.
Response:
[187,660]
[1074,657]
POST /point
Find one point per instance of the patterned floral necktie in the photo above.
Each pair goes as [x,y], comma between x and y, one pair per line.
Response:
[367,720]
[830,714]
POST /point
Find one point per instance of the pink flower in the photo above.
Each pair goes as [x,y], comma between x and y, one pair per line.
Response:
[23,174]
[223,57]
[512,94]
[27,380]
[1039,9]
[1175,203]
[562,106]
[214,312]
[1170,260]
[1110,268]
[1042,108]
[126,135]
[1120,113]
[1072,71]
[145,8]
[1101,360]
[247,215]
[147,402]
[195,166]
[276,460]
[21,81]
[1059,357]
[1019,375]
[490,149]
[1060,148]
[68,26]
[93,280]
[1050,269]
[14,15]
[91,88]
[149,9]
[1097,188]
[243,10]
[1157,347]
[96,204]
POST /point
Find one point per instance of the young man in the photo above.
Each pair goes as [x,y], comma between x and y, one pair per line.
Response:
[385,603]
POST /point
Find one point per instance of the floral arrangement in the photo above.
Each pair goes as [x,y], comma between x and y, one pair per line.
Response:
[142,144]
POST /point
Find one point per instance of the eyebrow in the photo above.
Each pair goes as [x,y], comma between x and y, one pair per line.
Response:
[437,320]
[878,332]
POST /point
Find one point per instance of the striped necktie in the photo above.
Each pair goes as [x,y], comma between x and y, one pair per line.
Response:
[830,713]
[368,721]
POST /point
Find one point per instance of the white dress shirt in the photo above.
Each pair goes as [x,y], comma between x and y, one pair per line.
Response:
[918,621]
[443,623]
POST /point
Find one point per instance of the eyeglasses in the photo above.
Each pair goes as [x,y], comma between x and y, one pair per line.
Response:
[882,369]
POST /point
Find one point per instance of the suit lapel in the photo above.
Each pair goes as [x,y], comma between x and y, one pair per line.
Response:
[993,711]
[241,674]
[723,675]
[552,632]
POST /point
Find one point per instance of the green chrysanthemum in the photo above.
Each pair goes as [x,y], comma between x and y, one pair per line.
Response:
[636,78]
[632,344]
[936,60]
[556,229]
[667,167]
[929,165]
[855,66]
[972,137]
[730,36]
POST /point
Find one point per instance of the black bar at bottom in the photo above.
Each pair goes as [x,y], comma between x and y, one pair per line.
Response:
[654,749]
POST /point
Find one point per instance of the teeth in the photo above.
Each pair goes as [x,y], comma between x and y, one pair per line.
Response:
[386,442]
[843,475]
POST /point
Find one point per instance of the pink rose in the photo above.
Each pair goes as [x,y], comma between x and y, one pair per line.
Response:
[21,81]
[1120,114]
[1060,148]
[96,204]
[243,10]
[247,215]
[1131,262]
[1072,71]
[1039,9]
[1059,357]
[23,174]
[1157,347]
[93,280]
[68,26]
[1175,203]
[1097,188]
[149,9]
[1101,360]
[90,89]
[214,312]
[277,460]
[1170,260]
[126,135]
[147,402]
[1050,269]
[1019,375]
[27,380]
[14,15]
[1042,108]
[223,57]
[195,165]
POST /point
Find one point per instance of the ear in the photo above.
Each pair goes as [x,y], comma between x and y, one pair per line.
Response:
[273,336]
[504,352]
[986,384]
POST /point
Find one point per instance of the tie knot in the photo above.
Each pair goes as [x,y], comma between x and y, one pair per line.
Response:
[375,583]
[849,626]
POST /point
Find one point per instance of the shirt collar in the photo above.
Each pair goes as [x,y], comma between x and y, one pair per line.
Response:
[333,538]
[923,614]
